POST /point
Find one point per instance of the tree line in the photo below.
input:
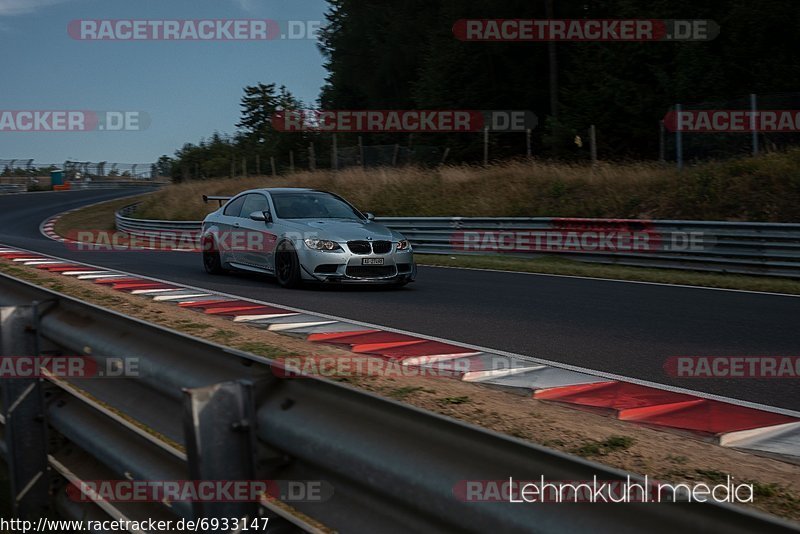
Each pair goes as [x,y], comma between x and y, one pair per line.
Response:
[403,55]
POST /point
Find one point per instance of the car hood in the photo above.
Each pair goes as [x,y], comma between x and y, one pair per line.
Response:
[344,229]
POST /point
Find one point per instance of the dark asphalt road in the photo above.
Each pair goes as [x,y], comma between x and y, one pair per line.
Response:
[617,327]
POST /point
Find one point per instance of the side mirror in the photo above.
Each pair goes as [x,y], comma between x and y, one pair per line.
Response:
[263,216]
[370,217]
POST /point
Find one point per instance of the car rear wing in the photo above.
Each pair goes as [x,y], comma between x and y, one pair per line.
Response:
[206,198]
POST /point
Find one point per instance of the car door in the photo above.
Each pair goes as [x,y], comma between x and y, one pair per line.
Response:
[226,223]
[257,239]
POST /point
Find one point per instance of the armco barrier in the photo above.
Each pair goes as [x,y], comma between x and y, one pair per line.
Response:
[12,188]
[202,411]
[767,249]
[148,227]
[97,184]
[115,184]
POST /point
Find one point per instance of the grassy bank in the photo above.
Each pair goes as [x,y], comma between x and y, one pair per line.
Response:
[766,188]
[567,267]
[96,217]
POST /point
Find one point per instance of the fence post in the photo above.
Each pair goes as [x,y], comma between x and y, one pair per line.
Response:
[334,154]
[661,142]
[485,147]
[678,137]
[593,144]
[361,151]
[291,161]
[244,167]
[258,165]
[396,153]
[312,159]
[444,156]
[272,164]
[528,150]
[754,122]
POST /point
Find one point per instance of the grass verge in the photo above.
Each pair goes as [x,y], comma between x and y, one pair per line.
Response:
[563,266]
[96,217]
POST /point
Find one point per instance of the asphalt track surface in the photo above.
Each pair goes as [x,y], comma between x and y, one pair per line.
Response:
[623,328]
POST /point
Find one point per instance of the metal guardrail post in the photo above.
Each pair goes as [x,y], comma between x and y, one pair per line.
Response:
[219,423]
[23,411]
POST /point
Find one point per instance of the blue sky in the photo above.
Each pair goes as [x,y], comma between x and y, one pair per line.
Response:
[188,89]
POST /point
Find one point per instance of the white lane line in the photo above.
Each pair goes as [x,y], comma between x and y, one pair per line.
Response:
[478,348]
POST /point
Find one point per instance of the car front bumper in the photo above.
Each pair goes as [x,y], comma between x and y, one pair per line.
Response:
[345,267]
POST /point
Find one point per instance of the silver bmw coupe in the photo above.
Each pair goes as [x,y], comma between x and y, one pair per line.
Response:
[303,235]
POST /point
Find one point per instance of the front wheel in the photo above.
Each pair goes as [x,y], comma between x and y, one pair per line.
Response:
[287,266]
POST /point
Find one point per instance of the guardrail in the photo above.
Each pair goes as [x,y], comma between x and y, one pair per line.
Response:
[200,411]
[766,249]
[13,188]
[151,227]
[114,184]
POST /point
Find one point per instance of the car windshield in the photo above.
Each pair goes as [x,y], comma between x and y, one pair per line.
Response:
[313,205]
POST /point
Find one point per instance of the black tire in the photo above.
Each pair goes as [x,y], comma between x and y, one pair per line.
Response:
[212,262]
[287,266]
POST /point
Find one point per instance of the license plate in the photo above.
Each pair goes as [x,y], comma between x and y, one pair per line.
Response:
[371,261]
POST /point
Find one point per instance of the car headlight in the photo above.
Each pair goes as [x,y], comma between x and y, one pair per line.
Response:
[403,244]
[322,244]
